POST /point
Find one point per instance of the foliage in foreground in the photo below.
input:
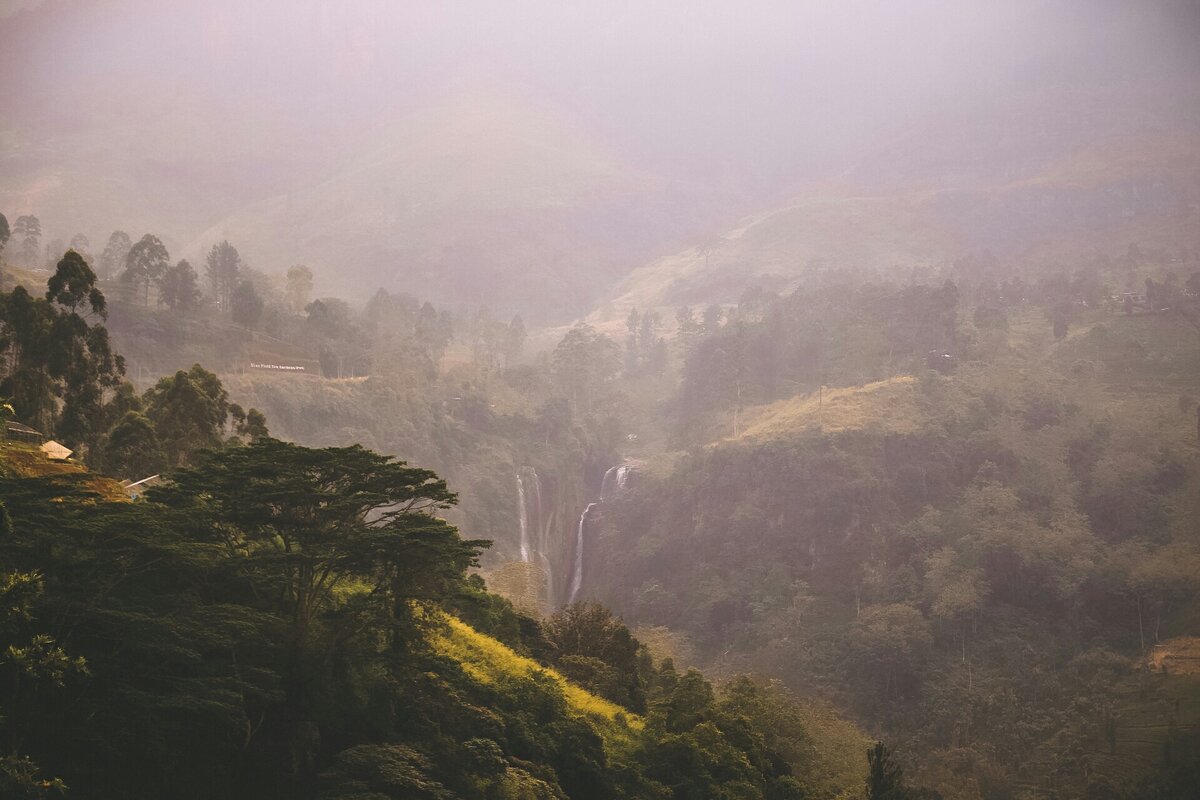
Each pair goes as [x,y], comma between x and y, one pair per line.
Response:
[270,624]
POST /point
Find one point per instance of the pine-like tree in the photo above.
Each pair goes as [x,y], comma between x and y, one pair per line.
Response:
[885,779]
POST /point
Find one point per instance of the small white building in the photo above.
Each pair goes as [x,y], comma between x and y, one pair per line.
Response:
[55,451]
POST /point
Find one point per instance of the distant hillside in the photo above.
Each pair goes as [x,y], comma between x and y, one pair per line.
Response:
[1102,196]
[480,198]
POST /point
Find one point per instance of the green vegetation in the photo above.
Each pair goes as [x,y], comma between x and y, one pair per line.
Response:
[975,560]
[269,624]
[961,510]
[891,404]
[65,379]
[280,621]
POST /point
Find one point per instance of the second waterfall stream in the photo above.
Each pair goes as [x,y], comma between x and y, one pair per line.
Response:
[614,481]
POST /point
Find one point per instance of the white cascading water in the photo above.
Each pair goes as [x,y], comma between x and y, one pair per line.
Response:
[614,481]
[523,515]
[535,528]
[577,576]
[537,512]
[543,534]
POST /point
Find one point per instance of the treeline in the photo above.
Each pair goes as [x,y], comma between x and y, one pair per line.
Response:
[394,331]
[59,374]
[843,328]
[261,625]
[840,333]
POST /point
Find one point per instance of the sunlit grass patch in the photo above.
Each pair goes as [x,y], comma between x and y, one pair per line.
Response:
[487,660]
[889,405]
[27,461]
[27,277]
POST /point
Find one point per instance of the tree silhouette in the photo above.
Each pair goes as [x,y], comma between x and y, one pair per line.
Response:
[223,267]
[885,779]
[178,288]
[113,257]
[145,263]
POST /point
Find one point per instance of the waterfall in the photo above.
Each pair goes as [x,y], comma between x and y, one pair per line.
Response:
[614,480]
[523,515]
[543,535]
[535,527]
[577,577]
[538,518]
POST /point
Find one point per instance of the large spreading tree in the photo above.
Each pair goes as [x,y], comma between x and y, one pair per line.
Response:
[237,624]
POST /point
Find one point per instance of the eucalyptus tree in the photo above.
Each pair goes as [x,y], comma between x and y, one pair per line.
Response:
[112,258]
[223,266]
[145,263]
[58,363]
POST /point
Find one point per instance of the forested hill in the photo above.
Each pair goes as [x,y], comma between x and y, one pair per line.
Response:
[590,401]
[966,511]
[247,632]
[959,506]
[266,620]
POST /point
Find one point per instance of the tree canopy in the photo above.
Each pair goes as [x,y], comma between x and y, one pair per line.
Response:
[145,263]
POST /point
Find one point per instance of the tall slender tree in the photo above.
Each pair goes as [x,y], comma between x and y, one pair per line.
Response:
[299,288]
[885,779]
[56,366]
[145,263]
[223,266]
[73,286]
[113,257]
[27,230]
[245,305]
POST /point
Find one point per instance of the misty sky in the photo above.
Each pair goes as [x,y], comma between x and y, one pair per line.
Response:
[663,123]
[750,87]
[10,7]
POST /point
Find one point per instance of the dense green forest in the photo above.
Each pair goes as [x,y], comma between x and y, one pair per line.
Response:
[273,623]
[961,507]
[984,542]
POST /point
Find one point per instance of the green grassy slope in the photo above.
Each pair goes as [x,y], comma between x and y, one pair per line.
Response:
[485,659]
[26,461]
[839,746]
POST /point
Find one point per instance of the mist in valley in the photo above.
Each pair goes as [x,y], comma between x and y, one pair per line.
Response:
[560,400]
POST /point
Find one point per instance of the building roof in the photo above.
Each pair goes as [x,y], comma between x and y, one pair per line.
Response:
[143,482]
[23,431]
[56,451]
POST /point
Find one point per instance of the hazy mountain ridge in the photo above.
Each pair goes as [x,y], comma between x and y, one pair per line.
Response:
[535,183]
[1140,188]
[537,214]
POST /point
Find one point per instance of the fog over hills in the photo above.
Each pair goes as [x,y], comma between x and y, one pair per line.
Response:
[537,212]
[532,157]
[610,400]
